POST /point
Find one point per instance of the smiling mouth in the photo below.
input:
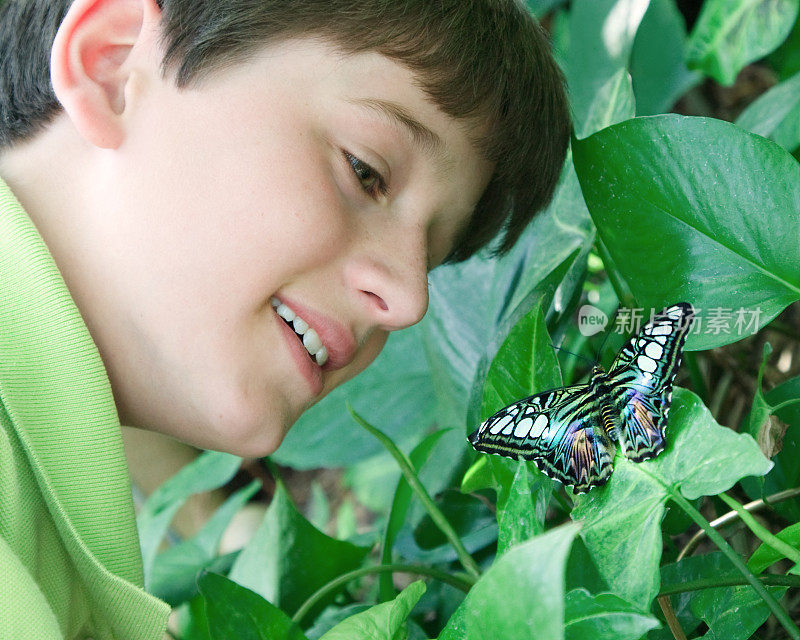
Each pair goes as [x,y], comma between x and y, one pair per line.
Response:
[310,339]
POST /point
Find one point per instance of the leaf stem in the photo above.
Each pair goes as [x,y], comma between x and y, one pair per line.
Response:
[410,474]
[764,534]
[727,581]
[464,583]
[751,579]
[732,515]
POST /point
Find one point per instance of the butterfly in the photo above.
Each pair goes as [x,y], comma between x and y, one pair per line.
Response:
[569,432]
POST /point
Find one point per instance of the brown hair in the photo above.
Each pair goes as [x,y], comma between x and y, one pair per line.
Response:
[486,62]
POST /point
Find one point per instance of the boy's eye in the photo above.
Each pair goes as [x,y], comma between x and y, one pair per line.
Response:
[370,180]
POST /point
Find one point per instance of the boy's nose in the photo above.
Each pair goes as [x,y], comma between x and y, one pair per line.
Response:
[391,289]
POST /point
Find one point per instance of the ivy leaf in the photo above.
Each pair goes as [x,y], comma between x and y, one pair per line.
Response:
[652,186]
[174,575]
[385,621]
[729,34]
[236,612]
[622,521]
[658,67]
[604,616]
[287,559]
[210,470]
[520,595]
[775,114]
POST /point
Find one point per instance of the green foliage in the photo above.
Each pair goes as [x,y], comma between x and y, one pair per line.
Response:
[649,211]
[731,33]
[720,248]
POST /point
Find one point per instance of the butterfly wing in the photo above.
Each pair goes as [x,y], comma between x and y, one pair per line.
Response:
[641,378]
[559,430]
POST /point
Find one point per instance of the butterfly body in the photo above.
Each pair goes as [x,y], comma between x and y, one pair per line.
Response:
[570,432]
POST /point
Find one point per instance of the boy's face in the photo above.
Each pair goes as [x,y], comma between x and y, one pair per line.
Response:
[251,187]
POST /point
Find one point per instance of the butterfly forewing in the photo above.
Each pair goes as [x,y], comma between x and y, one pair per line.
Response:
[559,430]
[640,381]
[568,432]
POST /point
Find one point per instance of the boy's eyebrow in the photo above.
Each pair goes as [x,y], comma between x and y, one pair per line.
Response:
[422,135]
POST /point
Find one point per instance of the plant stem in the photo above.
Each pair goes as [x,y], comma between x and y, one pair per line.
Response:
[463,583]
[751,579]
[732,515]
[769,580]
[436,515]
[760,531]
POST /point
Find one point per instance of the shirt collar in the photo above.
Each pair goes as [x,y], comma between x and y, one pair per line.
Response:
[57,394]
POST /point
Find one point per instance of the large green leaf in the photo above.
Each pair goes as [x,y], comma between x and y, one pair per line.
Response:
[731,613]
[776,114]
[400,379]
[659,72]
[699,210]
[210,470]
[385,621]
[601,35]
[732,33]
[174,575]
[622,521]
[236,612]
[287,559]
[604,617]
[525,364]
[520,596]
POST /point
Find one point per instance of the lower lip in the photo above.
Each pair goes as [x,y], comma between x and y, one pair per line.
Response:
[310,371]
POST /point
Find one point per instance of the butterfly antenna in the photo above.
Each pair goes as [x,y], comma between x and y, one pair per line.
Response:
[572,353]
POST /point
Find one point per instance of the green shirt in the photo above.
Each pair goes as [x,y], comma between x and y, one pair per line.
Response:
[70,562]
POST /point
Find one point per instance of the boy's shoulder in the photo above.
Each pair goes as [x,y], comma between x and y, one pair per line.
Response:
[66,512]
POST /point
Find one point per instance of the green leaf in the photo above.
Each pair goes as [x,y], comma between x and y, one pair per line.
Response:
[287,559]
[210,470]
[786,472]
[622,521]
[776,114]
[541,7]
[766,556]
[399,509]
[525,364]
[604,616]
[732,33]
[325,435]
[601,35]
[653,188]
[732,613]
[521,594]
[385,621]
[236,612]
[174,576]
[520,516]
[613,102]
[658,69]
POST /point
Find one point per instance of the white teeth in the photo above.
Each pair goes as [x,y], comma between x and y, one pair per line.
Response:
[311,340]
[300,325]
[286,313]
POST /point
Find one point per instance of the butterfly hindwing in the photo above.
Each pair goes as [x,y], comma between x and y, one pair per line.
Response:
[568,432]
[641,380]
[559,430]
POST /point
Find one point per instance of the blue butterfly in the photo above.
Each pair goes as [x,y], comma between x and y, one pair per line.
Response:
[569,432]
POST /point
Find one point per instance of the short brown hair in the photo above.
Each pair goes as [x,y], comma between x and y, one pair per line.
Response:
[486,62]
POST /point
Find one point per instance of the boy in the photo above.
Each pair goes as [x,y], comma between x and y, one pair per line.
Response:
[213,213]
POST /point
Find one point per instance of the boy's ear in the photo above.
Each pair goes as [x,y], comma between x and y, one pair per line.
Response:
[87,63]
